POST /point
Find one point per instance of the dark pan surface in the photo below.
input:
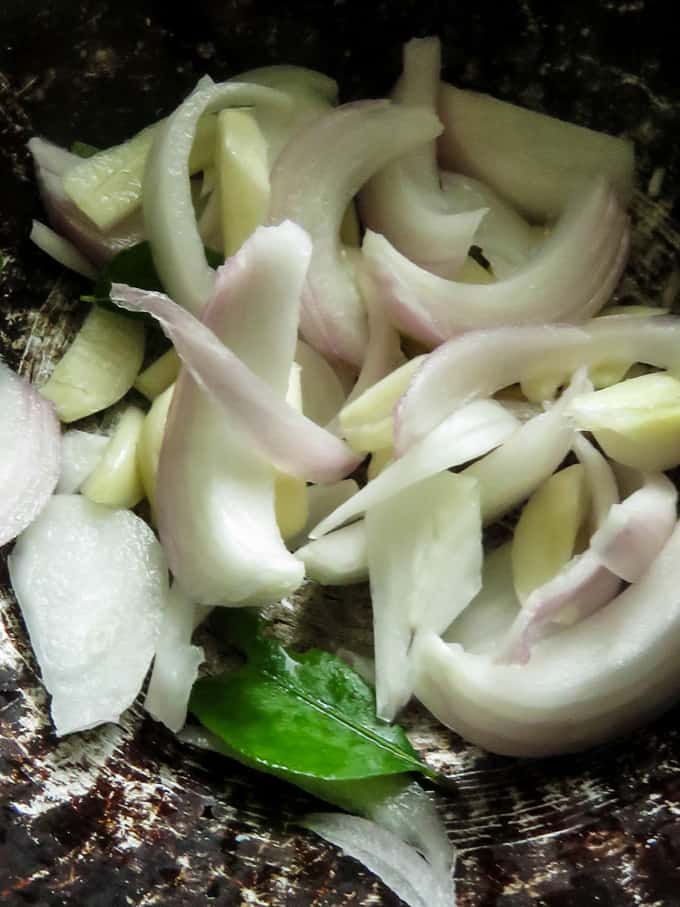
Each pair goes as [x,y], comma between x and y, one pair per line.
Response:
[127,815]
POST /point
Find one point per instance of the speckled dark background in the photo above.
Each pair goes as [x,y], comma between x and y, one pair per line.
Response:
[129,816]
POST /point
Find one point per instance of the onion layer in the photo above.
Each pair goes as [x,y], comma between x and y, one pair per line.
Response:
[315,177]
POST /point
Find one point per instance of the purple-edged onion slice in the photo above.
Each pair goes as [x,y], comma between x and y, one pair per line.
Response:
[481,363]
[30,441]
[284,437]
[570,279]
[313,181]
[593,681]
[215,489]
[404,201]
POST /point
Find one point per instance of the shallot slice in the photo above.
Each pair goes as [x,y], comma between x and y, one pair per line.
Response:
[569,279]
[314,179]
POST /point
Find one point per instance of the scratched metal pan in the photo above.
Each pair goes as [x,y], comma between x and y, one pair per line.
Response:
[127,815]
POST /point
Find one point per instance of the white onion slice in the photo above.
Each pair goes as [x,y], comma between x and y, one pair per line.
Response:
[215,493]
[80,453]
[175,665]
[92,584]
[30,442]
[570,279]
[50,157]
[482,362]
[169,215]
[397,864]
[337,559]
[416,580]
[322,392]
[293,443]
[61,250]
[535,161]
[315,178]
[600,478]
[587,684]
[404,200]
[628,541]
[470,432]
[505,238]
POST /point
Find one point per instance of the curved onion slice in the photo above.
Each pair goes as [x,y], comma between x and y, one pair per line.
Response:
[504,237]
[482,362]
[587,684]
[116,480]
[602,486]
[151,441]
[315,178]
[535,161]
[294,444]
[215,494]
[169,216]
[157,377]
[416,582]
[31,451]
[404,200]
[50,157]
[397,864]
[337,559]
[61,250]
[80,453]
[570,279]
[469,433]
[628,541]
[175,665]
[92,584]
[322,500]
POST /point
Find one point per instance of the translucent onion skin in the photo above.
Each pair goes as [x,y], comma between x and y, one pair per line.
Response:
[570,279]
[586,685]
[481,363]
[315,177]
[404,201]
[30,439]
[169,215]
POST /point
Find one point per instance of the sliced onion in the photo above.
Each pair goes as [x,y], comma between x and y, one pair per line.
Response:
[483,362]
[215,493]
[570,279]
[80,453]
[602,486]
[52,158]
[534,161]
[92,584]
[61,250]
[322,392]
[339,558]
[315,178]
[168,210]
[469,433]
[398,865]
[404,200]
[590,683]
[506,239]
[31,444]
[175,665]
[292,442]
[116,479]
[626,544]
[416,583]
